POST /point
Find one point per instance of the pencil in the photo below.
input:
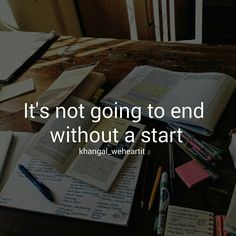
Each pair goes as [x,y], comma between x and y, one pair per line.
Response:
[154,188]
[145,179]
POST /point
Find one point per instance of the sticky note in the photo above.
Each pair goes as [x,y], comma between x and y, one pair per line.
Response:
[191,173]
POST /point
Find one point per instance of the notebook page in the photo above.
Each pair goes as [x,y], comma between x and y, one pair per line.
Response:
[73,198]
[188,222]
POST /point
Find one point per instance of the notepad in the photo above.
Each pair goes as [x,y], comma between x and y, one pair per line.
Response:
[191,173]
[188,222]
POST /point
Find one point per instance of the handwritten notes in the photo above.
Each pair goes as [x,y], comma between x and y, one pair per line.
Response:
[188,222]
[73,198]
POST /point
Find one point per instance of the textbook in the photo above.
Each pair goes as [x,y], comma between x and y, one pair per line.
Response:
[146,85]
[83,149]
[73,198]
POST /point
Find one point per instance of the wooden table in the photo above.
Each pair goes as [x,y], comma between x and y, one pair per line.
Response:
[117,58]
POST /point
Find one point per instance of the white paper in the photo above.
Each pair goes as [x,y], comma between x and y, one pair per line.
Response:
[73,198]
[19,141]
[230,220]
[16,89]
[63,86]
[146,85]
[188,222]
[5,138]
[232,149]
[16,47]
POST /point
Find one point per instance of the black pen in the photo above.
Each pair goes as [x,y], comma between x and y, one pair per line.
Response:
[40,186]
[145,178]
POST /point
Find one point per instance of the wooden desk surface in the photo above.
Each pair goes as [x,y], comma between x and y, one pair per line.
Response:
[117,58]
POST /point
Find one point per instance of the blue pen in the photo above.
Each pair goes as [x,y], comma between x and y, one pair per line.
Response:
[40,186]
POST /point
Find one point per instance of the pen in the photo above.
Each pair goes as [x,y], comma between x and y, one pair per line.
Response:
[40,186]
[171,167]
[198,149]
[201,152]
[163,205]
[145,179]
[155,187]
[205,148]
[194,157]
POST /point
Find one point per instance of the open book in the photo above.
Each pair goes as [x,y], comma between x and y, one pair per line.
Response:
[146,85]
[97,163]
[73,198]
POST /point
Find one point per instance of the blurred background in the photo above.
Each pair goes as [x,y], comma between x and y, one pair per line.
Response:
[109,18]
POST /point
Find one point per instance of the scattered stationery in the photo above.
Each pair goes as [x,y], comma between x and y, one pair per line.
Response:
[149,85]
[143,194]
[164,201]
[202,162]
[230,220]
[203,150]
[18,49]
[191,173]
[73,198]
[188,222]
[155,188]
[16,89]
[232,148]
[77,158]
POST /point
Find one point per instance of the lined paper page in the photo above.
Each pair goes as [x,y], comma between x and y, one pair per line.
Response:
[189,222]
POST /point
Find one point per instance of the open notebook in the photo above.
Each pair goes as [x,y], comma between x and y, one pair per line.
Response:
[73,198]
[146,85]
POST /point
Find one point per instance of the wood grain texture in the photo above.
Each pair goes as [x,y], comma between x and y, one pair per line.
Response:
[117,58]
